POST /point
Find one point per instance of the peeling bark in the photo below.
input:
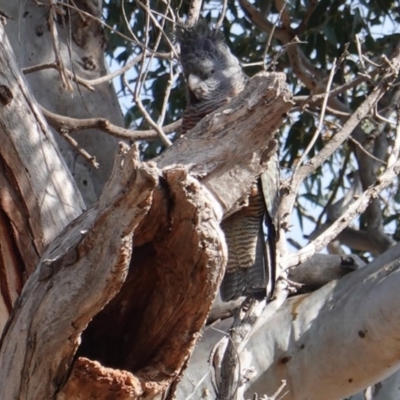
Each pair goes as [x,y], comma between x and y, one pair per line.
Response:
[145,261]
[38,196]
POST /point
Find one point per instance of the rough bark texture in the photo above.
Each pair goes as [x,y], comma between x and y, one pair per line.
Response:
[155,306]
[90,380]
[38,196]
[239,139]
[78,274]
[152,246]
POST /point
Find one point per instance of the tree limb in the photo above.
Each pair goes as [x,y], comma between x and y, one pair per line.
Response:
[61,122]
[344,320]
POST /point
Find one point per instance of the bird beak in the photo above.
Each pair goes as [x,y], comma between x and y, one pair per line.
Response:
[193,82]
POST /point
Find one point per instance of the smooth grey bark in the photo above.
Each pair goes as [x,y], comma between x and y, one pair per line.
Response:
[327,345]
[81,45]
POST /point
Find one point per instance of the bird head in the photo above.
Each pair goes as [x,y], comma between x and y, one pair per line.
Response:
[208,65]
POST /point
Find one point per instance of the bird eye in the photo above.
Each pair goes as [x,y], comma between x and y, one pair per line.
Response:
[213,70]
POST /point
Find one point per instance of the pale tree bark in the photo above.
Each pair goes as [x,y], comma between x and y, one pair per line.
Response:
[135,234]
[120,296]
[328,344]
[38,195]
[34,32]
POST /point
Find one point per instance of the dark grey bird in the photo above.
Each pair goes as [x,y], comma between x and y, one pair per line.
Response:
[214,76]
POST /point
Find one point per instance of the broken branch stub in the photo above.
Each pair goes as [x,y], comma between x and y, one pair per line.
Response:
[179,252]
[153,246]
[230,147]
[76,277]
[152,325]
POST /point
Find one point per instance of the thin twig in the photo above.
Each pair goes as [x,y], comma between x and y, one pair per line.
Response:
[394,155]
[359,51]
[136,93]
[240,330]
[148,10]
[294,42]
[78,149]
[89,83]
[379,90]
[148,118]
[271,35]
[321,120]
[316,98]
[69,47]
[194,12]
[201,380]
[355,209]
[378,116]
[222,15]
[365,151]
[371,62]
[129,39]
[56,46]
[171,81]
[60,122]
[336,188]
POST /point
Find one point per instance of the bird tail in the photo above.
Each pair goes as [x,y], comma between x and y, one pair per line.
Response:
[246,269]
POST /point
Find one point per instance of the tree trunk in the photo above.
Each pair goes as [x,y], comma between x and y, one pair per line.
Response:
[38,195]
[158,228]
[80,42]
[327,345]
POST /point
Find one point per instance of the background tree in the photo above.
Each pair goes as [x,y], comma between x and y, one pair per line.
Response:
[111,305]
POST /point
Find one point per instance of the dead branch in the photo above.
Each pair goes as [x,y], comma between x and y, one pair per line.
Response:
[61,122]
[249,121]
[337,140]
[321,269]
[355,209]
[153,283]
[194,12]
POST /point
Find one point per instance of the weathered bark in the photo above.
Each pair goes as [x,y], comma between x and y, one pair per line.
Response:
[78,274]
[38,196]
[238,140]
[174,266]
[80,41]
[148,291]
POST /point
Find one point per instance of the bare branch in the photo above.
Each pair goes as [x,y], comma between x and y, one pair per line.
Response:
[194,12]
[231,369]
[80,150]
[320,123]
[271,35]
[60,122]
[355,209]
[148,118]
[365,151]
[56,47]
[317,98]
[222,15]
[89,83]
[335,142]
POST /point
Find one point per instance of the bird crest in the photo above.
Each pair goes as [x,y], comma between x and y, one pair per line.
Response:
[203,49]
[201,30]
